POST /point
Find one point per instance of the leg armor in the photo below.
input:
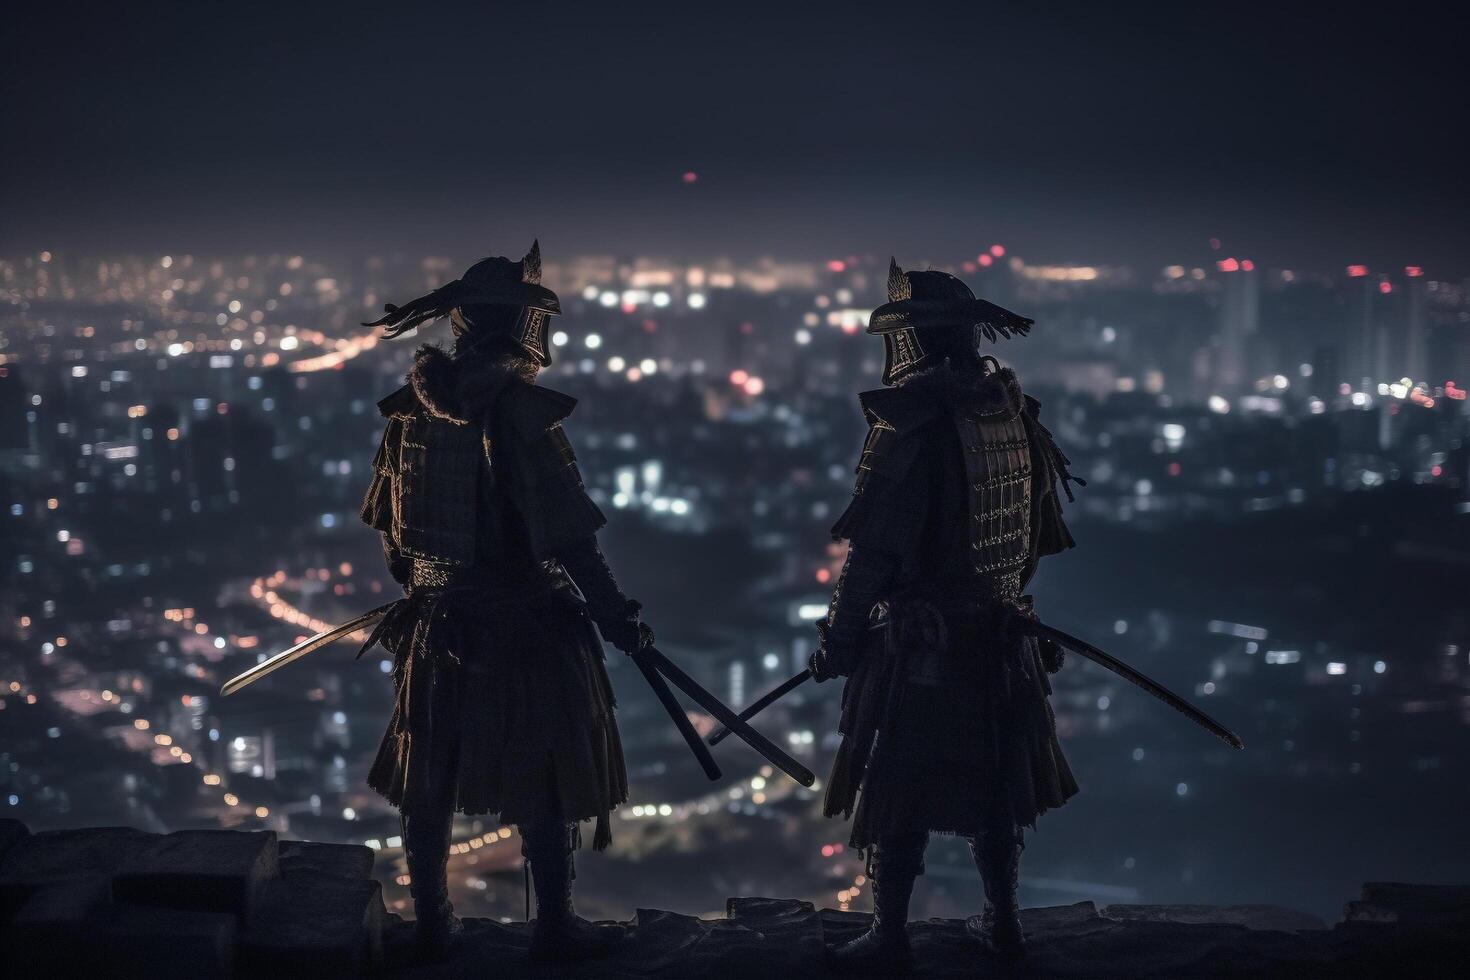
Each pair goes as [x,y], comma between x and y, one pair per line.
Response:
[898,859]
[426,828]
[557,933]
[997,853]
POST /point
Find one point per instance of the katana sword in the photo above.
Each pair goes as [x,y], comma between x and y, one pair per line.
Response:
[1080,647]
[301,649]
[681,720]
[649,659]
[311,643]
[1084,649]
[770,698]
[652,664]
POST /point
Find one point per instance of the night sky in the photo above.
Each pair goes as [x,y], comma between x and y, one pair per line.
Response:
[1095,133]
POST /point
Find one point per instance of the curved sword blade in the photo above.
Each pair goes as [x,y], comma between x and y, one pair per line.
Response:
[301,649]
[1084,649]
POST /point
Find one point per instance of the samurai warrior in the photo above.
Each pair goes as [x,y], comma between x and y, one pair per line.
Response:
[946,725]
[503,702]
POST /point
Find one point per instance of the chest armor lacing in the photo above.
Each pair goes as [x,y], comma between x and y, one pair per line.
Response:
[998,469]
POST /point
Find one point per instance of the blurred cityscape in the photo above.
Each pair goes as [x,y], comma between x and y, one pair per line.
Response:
[1276,523]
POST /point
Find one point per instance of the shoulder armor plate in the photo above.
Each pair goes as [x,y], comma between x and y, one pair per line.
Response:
[900,409]
[535,409]
[401,402]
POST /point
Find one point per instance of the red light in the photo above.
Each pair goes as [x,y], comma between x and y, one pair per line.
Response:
[1435,471]
[967,266]
[997,250]
[1385,287]
[1246,265]
[827,850]
[985,260]
[1413,271]
[739,377]
[824,575]
[1357,271]
[1175,469]
[650,326]
[689,177]
[1215,244]
[1228,265]
[837,265]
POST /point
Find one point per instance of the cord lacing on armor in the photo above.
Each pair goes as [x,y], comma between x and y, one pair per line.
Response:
[1058,459]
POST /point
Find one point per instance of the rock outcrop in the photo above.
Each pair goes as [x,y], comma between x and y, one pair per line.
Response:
[116,902]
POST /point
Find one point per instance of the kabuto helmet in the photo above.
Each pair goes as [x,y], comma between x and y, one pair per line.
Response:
[925,311]
[489,283]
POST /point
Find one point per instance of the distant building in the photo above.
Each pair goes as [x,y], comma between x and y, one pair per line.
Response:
[1363,361]
[1416,341]
[1240,315]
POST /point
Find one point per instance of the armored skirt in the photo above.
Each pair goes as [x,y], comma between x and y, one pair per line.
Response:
[951,738]
[508,697]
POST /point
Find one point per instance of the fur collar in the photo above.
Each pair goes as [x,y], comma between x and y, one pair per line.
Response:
[967,389]
[458,389]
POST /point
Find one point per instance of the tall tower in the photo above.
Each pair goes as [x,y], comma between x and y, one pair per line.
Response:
[1240,314]
[1363,350]
[1416,342]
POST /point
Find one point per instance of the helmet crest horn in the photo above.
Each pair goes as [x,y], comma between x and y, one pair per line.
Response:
[531,264]
[899,287]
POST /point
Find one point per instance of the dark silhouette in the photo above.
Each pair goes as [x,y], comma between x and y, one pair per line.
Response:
[946,724]
[503,702]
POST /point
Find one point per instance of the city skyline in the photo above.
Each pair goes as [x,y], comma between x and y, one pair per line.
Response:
[186,439]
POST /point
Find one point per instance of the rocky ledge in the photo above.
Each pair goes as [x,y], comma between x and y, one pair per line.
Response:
[117,902]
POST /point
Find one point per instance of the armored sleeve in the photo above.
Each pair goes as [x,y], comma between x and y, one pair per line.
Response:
[377,504]
[867,575]
[546,484]
[888,506]
[618,618]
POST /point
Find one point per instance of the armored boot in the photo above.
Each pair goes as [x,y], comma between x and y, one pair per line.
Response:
[426,848]
[557,933]
[998,857]
[884,949]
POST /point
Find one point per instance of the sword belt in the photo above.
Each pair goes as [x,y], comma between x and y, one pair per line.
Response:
[427,579]
[960,611]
